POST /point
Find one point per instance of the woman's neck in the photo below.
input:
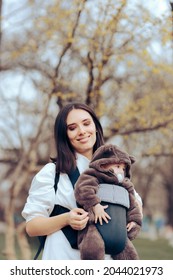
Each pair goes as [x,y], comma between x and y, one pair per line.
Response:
[88,155]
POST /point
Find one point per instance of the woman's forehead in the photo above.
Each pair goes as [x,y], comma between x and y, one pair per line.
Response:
[77,115]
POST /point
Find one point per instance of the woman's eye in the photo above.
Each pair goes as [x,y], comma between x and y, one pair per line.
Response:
[71,128]
[87,123]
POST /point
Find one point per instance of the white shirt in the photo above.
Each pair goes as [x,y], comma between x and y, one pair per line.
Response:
[41,201]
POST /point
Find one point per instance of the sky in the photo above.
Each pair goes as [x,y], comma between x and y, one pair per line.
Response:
[158,7]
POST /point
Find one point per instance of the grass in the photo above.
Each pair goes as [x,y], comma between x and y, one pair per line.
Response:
[147,249]
[153,249]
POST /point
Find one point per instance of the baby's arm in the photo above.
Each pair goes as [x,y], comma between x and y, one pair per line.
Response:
[100,214]
[130,226]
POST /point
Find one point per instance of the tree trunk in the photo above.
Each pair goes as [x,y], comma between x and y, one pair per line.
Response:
[23,242]
[10,232]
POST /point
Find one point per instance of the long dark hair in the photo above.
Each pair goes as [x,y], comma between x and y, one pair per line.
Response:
[65,159]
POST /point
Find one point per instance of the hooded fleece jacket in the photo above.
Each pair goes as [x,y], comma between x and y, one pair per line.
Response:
[90,242]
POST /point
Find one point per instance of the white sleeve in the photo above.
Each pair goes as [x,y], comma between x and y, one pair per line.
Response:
[41,198]
[138,197]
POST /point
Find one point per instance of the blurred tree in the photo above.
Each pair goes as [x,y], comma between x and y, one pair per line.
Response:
[167,172]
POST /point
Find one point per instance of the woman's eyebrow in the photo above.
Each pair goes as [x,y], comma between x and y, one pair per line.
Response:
[88,119]
[70,124]
[76,123]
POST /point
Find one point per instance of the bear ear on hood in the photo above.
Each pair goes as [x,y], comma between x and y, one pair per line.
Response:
[132,159]
[104,151]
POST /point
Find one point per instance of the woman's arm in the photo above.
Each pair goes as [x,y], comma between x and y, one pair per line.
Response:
[77,218]
[40,203]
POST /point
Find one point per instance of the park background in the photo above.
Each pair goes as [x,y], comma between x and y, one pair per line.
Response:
[115,56]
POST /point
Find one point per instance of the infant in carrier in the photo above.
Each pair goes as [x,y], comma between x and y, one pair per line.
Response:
[107,193]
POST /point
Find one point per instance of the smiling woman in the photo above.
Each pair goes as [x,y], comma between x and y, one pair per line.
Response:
[81,132]
[76,140]
[78,134]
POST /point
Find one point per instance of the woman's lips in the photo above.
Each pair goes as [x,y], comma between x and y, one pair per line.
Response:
[84,139]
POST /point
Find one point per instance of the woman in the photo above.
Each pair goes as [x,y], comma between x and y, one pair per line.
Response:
[78,134]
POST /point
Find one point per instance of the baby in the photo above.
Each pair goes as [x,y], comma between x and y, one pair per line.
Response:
[106,192]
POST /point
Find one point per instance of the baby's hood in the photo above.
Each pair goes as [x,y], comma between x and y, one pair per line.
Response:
[108,154]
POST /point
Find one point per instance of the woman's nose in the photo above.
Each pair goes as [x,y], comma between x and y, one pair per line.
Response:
[81,130]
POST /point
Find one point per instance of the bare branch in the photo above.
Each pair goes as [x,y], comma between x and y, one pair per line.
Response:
[91,79]
[141,129]
[158,155]
[68,45]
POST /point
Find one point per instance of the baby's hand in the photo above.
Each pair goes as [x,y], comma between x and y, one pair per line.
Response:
[100,213]
[130,226]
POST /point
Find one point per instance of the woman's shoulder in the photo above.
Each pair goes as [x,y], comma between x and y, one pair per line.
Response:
[45,178]
[41,197]
[50,167]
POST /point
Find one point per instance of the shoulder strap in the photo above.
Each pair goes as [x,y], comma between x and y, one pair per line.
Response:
[74,175]
[56,181]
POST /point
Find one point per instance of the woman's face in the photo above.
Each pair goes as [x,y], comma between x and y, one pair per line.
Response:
[81,131]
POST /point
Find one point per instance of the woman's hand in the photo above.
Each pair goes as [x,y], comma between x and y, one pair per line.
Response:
[100,214]
[78,218]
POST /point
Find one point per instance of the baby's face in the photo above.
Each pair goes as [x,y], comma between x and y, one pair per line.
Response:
[118,168]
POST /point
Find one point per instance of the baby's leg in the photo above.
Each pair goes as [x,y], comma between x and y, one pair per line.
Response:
[129,252]
[92,246]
